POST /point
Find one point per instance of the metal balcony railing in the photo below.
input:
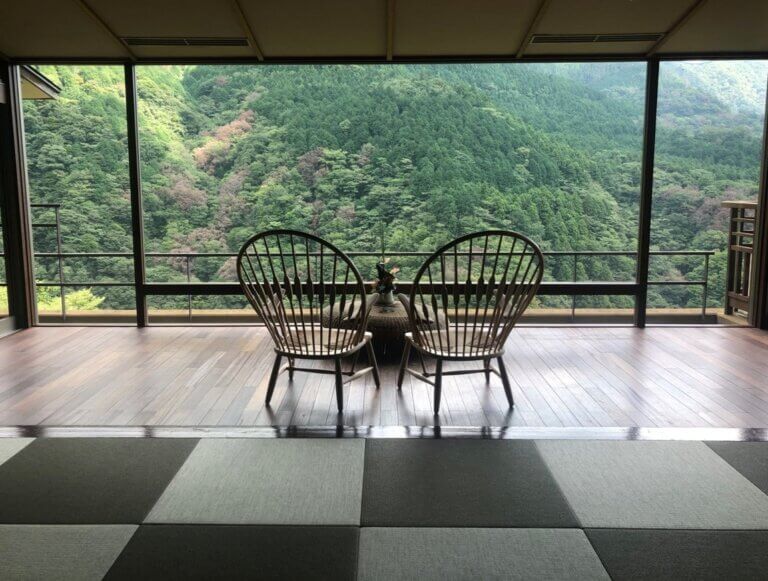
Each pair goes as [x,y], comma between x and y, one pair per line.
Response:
[188,257]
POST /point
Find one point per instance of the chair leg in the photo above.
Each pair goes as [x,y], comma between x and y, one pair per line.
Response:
[438,384]
[291,363]
[273,377]
[505,381]
[372,363]
[355,356]
[487,368]
[339,385]
[403,364]
[423,365]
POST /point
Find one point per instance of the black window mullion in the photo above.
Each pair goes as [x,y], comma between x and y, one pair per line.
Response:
[137,216]
[646,191]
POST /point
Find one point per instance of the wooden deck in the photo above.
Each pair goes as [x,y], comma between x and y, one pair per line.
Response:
[217,376]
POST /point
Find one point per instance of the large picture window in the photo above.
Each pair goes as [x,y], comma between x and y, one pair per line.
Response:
[392,160]
[77,165]
[708,151]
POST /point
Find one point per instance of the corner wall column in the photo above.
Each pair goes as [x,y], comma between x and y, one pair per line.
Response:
[17,230]
[646,190]
[137,215]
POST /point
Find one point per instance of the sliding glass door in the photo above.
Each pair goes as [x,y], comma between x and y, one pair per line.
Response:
[77,165]
[707,171]
[389,162]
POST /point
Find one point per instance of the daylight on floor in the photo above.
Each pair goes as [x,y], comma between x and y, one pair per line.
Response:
[384,289]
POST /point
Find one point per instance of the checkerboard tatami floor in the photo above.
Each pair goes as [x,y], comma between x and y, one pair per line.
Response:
[85,508]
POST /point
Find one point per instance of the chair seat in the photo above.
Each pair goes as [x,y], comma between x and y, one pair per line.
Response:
[304,340]
[455,341]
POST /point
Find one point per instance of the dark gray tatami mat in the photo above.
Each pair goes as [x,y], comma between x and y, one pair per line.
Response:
[455,483]
[88,481]
[653,485]
[238,552]
[749,458]
[466,553]
[79,552]
[681,555]
[252,481]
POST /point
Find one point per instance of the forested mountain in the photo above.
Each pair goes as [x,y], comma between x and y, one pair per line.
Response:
[396,158]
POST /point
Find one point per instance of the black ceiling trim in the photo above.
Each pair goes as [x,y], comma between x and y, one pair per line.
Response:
[590,38]
[399,59]
[185,41]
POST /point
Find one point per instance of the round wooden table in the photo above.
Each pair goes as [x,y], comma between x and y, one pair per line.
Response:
[387,323]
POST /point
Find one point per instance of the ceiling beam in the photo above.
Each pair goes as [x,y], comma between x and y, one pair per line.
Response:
[543,5]
[105,27]
[682,21]
[390,28]
[246,26]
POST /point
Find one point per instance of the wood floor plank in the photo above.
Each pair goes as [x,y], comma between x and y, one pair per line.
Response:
[561,376]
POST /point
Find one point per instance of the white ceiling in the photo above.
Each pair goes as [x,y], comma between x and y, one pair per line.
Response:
[284,29]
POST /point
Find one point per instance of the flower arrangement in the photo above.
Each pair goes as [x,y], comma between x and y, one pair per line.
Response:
[385,281]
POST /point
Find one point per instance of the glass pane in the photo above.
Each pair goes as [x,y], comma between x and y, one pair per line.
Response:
[609,310]
[708,152]
[391,160]
[604,309]
[167,310]
[212,310]
[229,310]
[77,161]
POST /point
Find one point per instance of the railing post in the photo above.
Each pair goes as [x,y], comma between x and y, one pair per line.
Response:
[705,290]
[137,215]
[189,296]
[61,265]
[646,190]
[573,297]
[729,271]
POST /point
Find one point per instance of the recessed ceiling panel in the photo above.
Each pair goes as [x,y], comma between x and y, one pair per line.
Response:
[53,28]
[723,26]
[169,17]
[193,52]
[589,49]
[458,27]
[611,16]
[328,28]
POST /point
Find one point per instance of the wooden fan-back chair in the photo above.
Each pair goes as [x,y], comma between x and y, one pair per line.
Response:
[312,300]
[464,302]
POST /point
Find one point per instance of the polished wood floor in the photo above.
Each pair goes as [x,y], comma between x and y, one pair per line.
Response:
[217,376]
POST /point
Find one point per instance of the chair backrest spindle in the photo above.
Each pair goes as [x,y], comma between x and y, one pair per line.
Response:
[284,275]
[467,296]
